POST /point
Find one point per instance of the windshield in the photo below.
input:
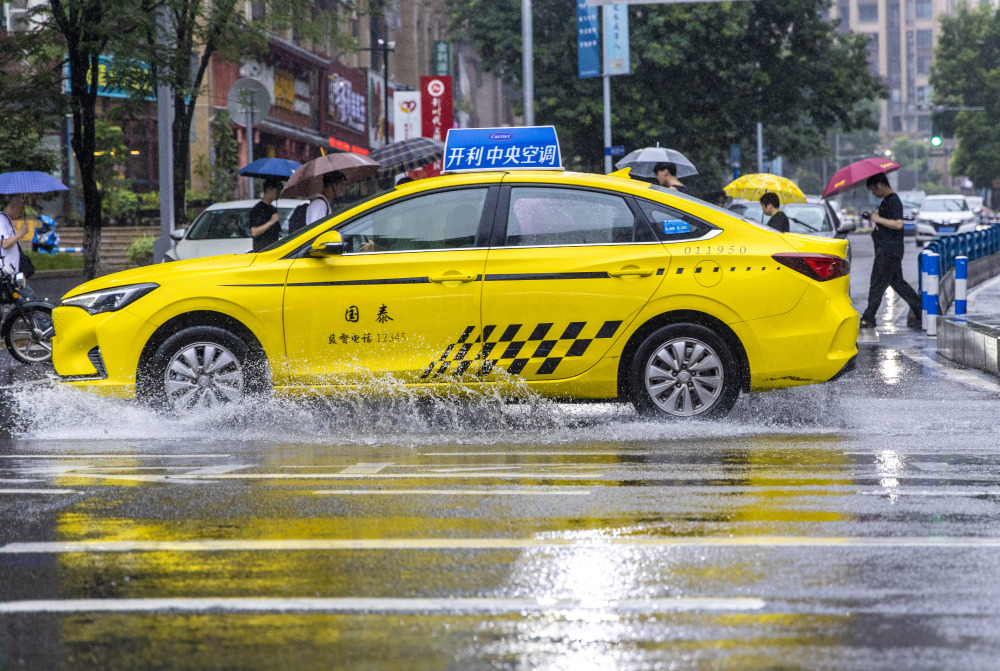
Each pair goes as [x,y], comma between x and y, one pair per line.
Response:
[911,198]
[353,195]
[974,202]
[802,217]
[944,205]
[225,224]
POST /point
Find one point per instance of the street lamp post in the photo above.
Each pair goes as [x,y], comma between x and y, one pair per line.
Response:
[385,47]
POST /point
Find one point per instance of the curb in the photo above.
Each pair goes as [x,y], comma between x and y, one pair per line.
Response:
[59,272]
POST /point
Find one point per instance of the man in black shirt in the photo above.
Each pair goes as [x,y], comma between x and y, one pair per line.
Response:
[887,268]
[264,222]
[770,203]
[666,175]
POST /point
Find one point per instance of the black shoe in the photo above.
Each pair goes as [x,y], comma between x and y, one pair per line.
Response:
[866,324]
[915,322]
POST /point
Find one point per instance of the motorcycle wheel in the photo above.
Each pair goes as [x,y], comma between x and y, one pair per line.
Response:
[27,332]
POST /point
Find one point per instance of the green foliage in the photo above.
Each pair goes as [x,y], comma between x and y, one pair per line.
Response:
[149,201]
[808,181]
[911,155]
[140,252]
[966,73]
[703,75]
[21,144]
[222,185]
[120,201]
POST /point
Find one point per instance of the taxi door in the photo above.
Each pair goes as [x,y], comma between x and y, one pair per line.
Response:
[568,271]
[407,287]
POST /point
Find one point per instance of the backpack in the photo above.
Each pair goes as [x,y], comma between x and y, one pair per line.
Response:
[298,218]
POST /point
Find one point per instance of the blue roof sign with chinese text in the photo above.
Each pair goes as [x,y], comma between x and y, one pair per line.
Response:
[523,148]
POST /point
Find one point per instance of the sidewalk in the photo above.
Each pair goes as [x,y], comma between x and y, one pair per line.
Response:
[973,340]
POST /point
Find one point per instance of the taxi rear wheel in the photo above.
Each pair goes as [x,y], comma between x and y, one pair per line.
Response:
[684,371]
[199,367]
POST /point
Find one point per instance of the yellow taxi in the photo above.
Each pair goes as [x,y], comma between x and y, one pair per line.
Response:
[585,286]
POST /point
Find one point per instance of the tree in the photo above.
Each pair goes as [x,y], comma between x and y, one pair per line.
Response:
[703,76]
[966,73]
[179,50]
[222,185]
[75,34]
[21,144]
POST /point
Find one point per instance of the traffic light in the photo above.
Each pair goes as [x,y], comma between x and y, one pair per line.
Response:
[936,141]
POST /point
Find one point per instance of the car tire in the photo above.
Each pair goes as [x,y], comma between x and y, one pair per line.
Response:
[683,371]
[201,367]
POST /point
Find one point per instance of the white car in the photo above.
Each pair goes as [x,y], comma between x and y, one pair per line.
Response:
[223,228]
[944,215]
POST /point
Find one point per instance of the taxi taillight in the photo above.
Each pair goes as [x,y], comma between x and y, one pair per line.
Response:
[820,267]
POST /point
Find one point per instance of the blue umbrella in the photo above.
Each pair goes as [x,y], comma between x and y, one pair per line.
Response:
[29,181]
[270,167]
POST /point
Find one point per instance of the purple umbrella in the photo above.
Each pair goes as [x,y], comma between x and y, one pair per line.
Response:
[29,181]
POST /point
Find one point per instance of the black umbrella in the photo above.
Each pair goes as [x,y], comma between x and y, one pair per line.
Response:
[407,155]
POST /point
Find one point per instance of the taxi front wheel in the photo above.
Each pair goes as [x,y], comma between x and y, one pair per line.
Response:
[683,371]
[199,367]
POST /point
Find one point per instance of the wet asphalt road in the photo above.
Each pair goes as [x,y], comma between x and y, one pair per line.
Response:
[845,526]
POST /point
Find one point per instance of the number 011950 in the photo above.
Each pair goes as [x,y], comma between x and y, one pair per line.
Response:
[717,249]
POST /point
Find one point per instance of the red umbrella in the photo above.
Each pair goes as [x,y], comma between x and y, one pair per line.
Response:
[858,172]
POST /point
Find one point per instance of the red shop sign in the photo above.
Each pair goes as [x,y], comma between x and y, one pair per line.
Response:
[435,106]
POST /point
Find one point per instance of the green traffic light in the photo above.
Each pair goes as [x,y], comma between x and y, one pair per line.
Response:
[936,141]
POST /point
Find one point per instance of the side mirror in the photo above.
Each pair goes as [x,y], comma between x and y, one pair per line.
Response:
[330,243]
[178,234]
[847,226]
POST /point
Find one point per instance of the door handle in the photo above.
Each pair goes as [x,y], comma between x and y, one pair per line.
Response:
[452,278]
[631,272]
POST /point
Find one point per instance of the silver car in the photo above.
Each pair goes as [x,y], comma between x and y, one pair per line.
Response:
[815,217]
[223,228]
[944,215]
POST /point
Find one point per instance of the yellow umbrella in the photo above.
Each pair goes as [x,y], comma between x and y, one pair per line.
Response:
[753,186]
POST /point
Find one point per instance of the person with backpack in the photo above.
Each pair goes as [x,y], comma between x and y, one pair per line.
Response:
[321,205]
[10,238]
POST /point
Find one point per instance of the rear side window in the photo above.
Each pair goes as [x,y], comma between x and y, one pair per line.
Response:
[540,216]
[671,225]
[221,225]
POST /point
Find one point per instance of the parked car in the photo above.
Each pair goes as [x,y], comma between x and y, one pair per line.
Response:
[984,215]
[944,215]
[223,228]
[815,217]
[911,203]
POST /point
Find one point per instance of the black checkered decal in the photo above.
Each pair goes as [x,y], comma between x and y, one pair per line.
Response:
[506,349]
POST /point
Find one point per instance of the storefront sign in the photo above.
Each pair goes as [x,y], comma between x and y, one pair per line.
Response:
[284,89]
[407,115]
[435,106]
[442,58]
[347,105]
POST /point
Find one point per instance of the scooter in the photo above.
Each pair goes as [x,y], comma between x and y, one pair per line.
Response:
[46,239]
[27,328]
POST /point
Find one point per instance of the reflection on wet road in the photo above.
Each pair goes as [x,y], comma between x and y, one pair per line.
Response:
[850,525]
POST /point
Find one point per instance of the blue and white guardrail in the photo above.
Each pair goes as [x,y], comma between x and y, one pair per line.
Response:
[953,254]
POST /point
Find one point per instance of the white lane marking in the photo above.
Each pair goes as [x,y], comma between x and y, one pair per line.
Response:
[123,455]
[15,481]
[456,492]
[393,476]
[889,491]
[960,375]
[288,545]
[362,468]
[217,470]
[555,452]
[933,466]
[384,605]
[37,491]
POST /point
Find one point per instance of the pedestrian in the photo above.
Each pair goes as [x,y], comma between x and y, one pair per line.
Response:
[10,237]
[265,225]
[666,175]
[770,203]
[887,268]
[322,203]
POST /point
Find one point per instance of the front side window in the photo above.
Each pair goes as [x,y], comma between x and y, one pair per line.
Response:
[544,216]
[438,220]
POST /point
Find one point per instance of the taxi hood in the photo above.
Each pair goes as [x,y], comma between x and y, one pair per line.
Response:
[161,272]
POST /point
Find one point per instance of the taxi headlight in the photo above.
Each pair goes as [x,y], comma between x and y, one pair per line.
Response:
[109,300]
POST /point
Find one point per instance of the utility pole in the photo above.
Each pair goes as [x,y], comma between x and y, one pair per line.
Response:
[527,63]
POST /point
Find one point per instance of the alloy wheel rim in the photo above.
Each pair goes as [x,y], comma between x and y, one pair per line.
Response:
[32,340]
[684,377]
[203,375]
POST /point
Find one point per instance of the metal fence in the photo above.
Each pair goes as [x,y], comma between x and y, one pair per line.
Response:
[975,245]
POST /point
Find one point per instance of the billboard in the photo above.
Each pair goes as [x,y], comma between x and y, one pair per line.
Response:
[406,115]
[435,106]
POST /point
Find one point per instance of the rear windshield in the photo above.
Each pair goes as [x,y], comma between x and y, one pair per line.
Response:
[802,217]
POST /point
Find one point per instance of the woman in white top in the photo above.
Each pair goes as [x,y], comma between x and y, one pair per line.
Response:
[10,253]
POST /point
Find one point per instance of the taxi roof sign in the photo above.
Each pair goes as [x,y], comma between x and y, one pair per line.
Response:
[518,148]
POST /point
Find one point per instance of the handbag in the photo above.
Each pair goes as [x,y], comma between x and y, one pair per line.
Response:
[26,265]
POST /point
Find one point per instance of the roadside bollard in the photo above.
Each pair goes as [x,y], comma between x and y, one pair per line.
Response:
[934,261]
[924,267]
[961,283]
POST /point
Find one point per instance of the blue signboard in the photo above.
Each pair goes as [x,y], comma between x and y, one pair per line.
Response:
[524,148]
[616,50]
[587,39]
[615,150]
